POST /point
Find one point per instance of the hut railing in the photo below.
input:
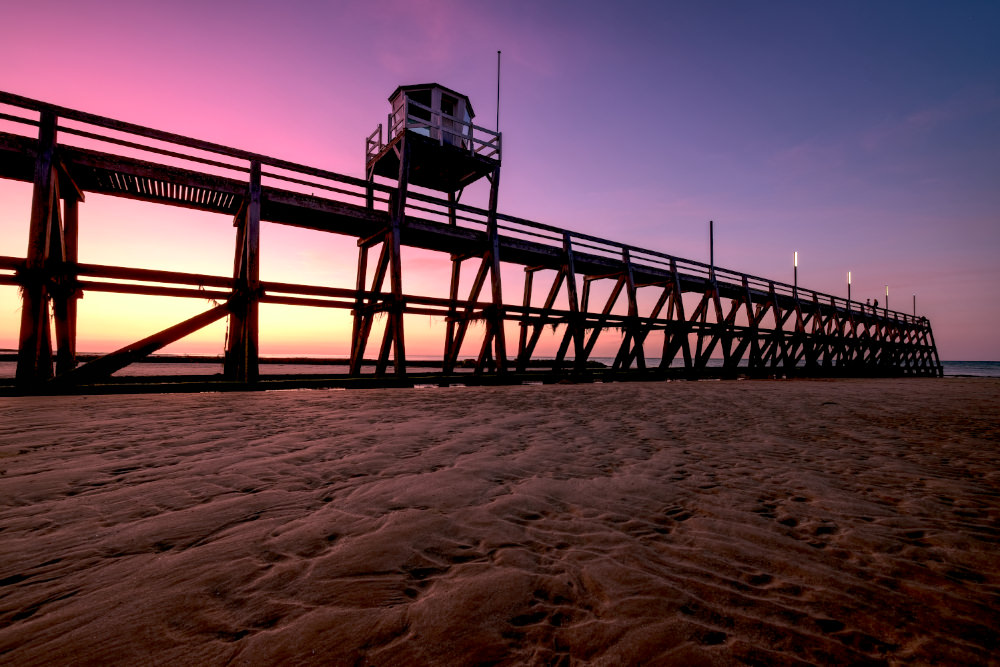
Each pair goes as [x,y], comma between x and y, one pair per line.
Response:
[461,133]
[373,144]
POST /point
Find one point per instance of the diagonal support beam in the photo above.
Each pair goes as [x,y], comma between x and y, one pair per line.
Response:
[104,366]
[525,352]
[608,306]
[453,343]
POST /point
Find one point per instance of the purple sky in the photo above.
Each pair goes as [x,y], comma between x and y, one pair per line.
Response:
[864,135]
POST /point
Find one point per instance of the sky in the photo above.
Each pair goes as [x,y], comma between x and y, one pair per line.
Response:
[863,135]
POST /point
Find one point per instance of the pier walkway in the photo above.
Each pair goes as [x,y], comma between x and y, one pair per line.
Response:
[679,312]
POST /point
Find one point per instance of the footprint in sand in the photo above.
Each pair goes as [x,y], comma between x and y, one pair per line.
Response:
[678,513]
[766,510]
[711,638]
[759,580]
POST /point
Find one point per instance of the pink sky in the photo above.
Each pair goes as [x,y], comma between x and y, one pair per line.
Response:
[864,137]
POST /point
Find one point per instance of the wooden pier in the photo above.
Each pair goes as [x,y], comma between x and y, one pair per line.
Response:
[748,325]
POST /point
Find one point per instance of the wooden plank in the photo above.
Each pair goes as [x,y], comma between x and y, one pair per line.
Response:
[64,305]
[150,275]
[529,274]
[79,162]
[356,314]
[151,290]
[310,302]
[449,341]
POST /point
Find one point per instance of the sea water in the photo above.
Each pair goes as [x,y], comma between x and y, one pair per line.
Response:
[984,369]
[990,369]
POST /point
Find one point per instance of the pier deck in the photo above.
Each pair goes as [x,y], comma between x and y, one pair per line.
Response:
[758,327]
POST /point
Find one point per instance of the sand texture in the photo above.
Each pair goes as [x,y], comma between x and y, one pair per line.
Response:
[711,523]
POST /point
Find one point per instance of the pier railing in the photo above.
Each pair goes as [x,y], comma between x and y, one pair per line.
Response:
[71,152]
[99,132]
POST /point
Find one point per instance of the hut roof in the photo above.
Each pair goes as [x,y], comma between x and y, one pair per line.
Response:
[423,86]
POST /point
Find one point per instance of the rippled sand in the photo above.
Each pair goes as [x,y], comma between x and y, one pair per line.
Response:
[829,522]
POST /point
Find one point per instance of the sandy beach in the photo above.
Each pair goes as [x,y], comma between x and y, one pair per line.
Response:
[709,523]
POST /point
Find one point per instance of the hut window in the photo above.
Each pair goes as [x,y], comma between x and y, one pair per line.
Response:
[448,105]
[420,97]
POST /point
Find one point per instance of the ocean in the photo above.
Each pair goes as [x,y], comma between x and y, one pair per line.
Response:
[7,368]
[985,369]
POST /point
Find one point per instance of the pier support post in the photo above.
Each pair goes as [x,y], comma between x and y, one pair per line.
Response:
[632,340]
[676,327]
[496,320]
[493,351]
[397,218]
[242,360]
[365,308]
[65,297]
[34,353]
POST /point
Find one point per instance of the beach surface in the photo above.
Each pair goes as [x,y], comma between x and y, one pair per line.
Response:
[687,523]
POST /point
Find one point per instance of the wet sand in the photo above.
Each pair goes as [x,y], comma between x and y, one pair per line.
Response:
[716,523]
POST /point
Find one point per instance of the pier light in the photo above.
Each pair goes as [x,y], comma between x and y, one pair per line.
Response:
[887,298]
[795,266]
[848,286]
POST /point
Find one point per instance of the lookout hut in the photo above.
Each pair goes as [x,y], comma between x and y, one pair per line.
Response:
[429,141]
[447,151]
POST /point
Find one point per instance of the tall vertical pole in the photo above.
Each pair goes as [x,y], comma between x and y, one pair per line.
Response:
[498,91]
[848,290]
[887,299]
[711,250]
[914,305]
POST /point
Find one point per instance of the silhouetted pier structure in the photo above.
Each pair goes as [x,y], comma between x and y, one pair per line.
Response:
[759,327]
